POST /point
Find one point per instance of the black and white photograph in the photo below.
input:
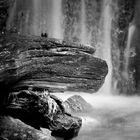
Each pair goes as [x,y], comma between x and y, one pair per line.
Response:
[69,69]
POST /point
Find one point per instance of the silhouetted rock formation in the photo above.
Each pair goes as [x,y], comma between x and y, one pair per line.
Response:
[28,61]
[44,35]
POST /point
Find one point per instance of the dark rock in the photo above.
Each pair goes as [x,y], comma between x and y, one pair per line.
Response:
[14,129]
[76,104]
[49,64]
[40,110]
[4,6]
[123,80]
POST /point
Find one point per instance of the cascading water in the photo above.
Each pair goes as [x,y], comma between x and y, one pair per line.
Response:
[83,38]
[36,21]
[105,52]
[128,50]
[36,17]
[57,20]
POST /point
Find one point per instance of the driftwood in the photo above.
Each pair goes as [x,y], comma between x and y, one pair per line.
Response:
[28,61]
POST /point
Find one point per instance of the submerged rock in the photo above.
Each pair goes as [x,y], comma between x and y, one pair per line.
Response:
[76,104]
[41,110]
[14,129]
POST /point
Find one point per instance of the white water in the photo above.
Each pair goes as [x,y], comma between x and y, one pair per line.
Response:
[42,17]
[106,45]
[36,21]
[104,52]
[83,38]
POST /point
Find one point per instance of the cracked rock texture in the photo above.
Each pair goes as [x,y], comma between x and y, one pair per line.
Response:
[28,61]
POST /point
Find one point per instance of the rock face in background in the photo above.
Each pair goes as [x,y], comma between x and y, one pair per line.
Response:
[125,82]
[75,18]
[135,58]
[28,61]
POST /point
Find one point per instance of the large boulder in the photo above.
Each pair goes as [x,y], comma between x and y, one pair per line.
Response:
[42,110]
[49,64]
[31,65]
[14,129]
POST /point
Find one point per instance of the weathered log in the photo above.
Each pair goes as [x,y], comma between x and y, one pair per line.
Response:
[49,64]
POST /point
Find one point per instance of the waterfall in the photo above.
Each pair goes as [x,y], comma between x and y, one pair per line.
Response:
[104,51]
[69,20]
[83,38]
[57,20]
[11,17]
[106,45]
[127,54]
[41,14]
[86,29]
[36,19]
[48,18]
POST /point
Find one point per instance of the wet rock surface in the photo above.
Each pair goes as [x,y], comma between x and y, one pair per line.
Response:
[49,64]
[30,66]
[42,110]
[76,104]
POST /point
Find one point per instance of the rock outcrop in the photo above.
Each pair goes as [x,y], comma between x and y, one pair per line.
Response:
[76,104]
[14,129]
[42,110]
[123,79]
[30,66]
[29,61]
